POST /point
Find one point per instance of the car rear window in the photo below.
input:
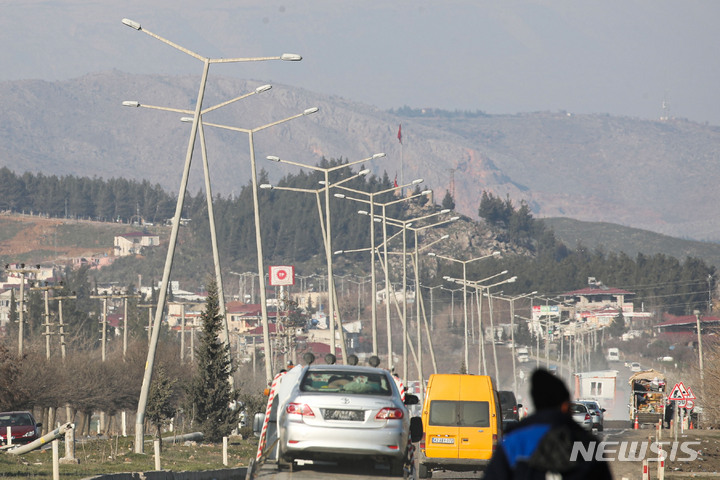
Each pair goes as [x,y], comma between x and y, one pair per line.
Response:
[345,381]
[448,413]
[578,408]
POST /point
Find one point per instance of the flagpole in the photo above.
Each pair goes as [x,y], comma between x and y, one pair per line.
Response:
[402,162]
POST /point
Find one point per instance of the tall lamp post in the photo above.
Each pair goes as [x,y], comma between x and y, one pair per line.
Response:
[407,225]
[328,250]
[464,264]
[162,295]
[256,212]
[492,324]
[209,197]
[371,202]
[511,300]
[323,226]
[477,284]
[385,253]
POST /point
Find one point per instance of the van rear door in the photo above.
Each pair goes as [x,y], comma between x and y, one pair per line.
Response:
[477,418]
[441,431]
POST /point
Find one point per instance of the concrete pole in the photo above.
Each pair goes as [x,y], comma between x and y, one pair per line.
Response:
[182,334]
[47,324]
[21,315]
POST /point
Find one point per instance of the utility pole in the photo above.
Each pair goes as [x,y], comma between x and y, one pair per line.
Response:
[61,324]
[47,324]
[22,271]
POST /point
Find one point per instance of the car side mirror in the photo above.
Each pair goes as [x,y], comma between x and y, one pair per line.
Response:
[603,410]
[411,399]
[39,424]
[519,405]
[258,422]
[416,429]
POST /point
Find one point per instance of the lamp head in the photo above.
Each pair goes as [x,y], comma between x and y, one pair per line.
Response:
[338,252]
[495,253]
[273,158]
[452,219]
[311,110]
[416,181]
[511,280]
[426,192]
[131,103]
[263,88]
[187,119]
[131,23]
[432,254]
[445,210]
[363,212]
[339,195]
[445,237]
[287,57]
[266,186]
[364,172]
[378,155]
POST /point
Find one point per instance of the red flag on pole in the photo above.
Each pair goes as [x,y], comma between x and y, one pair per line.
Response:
[395,184]
[400,134]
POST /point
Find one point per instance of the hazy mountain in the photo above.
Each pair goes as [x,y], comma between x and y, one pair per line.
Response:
[652,175]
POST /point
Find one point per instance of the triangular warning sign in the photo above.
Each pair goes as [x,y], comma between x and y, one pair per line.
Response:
[689,395]
[676,393]
[682,389]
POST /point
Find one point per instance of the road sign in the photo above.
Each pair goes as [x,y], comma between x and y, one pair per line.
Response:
[282,275]
[676,394]
[690,395]
[689,404]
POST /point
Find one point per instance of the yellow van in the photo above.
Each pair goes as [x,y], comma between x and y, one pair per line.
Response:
[461,423]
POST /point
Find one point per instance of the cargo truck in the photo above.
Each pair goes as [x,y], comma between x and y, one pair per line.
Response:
[647,397]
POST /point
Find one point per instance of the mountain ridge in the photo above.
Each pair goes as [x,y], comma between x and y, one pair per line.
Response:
[650,175]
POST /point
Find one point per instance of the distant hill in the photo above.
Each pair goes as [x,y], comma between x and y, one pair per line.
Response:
[616,238]
[653,175]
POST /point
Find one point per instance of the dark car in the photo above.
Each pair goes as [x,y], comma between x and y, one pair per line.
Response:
[23,427]
[509,407]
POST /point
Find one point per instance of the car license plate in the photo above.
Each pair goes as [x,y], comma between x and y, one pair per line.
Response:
[442,440]
[352,415]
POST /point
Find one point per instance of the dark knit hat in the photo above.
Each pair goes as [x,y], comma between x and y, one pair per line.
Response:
[547,390]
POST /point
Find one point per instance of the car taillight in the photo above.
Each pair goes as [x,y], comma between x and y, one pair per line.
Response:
[422,442]
[299,409]
[389,414]
[494,441]
[587,416]
[515,410]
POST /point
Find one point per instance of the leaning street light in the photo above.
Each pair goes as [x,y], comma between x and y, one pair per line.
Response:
[328,249]
[208,192]
[149,364]
[256,211]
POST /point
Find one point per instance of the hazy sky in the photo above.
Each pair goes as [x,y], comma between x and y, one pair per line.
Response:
[620,57]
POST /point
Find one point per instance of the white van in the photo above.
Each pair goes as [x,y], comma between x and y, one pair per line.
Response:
[613,355]
[523,355]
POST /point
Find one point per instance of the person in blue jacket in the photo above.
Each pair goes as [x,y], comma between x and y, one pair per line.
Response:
[540,446]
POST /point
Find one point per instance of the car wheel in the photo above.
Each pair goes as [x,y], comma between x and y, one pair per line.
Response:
[424,471]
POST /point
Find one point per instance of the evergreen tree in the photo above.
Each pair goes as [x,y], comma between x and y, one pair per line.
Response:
[617,326]
[160,408]
[210,392]
[448,201]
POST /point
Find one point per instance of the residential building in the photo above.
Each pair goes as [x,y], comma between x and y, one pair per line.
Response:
[133,243]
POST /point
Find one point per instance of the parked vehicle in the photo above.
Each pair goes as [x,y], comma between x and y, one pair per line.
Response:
[23,427]
[635,367]
[581,414]
[509,407]
[462,423]
[596,412]
[339,412]
[647,397]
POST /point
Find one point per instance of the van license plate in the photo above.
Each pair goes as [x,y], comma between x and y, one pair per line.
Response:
[442,440]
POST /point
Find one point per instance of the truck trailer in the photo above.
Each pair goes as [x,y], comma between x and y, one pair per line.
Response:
[647,397]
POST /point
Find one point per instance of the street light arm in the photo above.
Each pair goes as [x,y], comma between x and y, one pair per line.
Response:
[306,112]
[263,88]
[136,25]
